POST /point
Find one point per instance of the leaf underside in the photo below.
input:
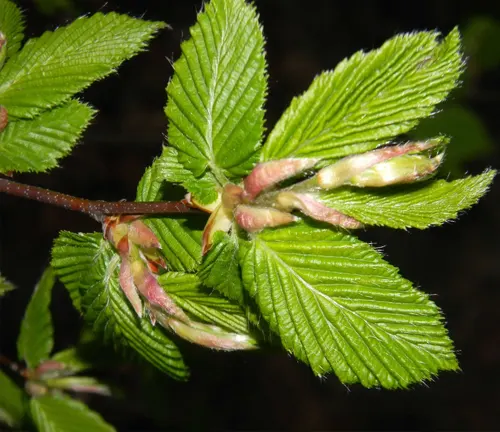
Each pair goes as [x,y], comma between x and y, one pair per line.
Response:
[338,306]
[216,96]
[52,68]
[419,206]
[36,338]
[103,304]
[369,98]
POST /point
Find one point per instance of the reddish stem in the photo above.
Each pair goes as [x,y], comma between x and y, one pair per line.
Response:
[95,209]
[13,366]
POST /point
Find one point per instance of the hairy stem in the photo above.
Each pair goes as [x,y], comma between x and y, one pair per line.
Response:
[95,209]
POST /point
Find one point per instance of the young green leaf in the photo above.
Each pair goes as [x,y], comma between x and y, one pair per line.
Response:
[215,99]
[369,98]
[36,145]
[36,340]
[188,292]
[11,402]
[103,303]
[52,68]
[5,286]
[11,25]
[432,203]
[221,268]
[63,414]
[338,306]
[180,245]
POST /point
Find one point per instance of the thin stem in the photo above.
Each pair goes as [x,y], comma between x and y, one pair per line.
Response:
[13,366]
[95,209]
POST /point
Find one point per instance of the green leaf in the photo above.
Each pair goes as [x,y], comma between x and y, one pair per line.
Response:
[221,268]
[470,139]
[104,305]
[338,306]
[11,25]
[52,68]
[180,244]
[168,168]
[188,292]
[36,338]
[215,99]
[63,414]
[5,286]
[420,206]
[73,255]
[369,98]
[36,145]
[11,402]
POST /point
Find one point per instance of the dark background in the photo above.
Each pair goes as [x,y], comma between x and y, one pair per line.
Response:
[458,262]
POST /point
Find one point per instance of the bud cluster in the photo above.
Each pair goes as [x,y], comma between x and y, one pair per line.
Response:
[141,261]
[260,202]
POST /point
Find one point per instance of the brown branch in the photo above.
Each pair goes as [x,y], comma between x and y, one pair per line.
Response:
[95,209]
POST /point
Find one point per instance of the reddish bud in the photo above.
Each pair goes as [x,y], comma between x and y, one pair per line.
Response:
[308,205]
[140,234]
[267,174]
[253,219]
[129,288]
[152,292]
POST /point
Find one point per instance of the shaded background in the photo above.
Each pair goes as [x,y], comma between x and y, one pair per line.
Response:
[459,262]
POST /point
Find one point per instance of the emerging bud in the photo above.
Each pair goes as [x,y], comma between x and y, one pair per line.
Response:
[208,335]
[345,169]
[267,174]
[400,170]
[219,220]
[129,288]
[253,219]
[209,208]
[308,205]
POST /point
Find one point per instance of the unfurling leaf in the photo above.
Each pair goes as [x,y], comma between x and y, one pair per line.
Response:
[338,306]
[36,338]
